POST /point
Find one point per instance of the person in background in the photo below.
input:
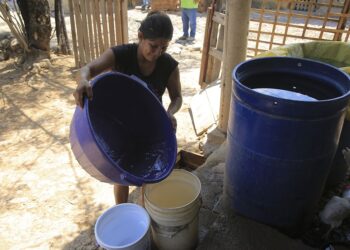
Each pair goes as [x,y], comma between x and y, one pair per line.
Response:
[148,61]
[145,4]
[189,19]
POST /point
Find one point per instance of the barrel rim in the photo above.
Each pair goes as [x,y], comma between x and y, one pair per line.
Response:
[129,177]
[283,100]
[197,196]
[135,206]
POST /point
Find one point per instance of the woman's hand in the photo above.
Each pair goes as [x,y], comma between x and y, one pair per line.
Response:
[174,90]
[103,63]
[173,121]
[83,89]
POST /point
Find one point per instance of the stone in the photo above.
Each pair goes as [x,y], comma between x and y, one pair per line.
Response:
[15,45]
[21,59]
[5,43]
[4,55]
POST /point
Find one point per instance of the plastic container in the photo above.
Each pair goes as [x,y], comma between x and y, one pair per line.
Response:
[173,205]
[124,134]
[339,167]
[280,148]
[337,54]
[124,227]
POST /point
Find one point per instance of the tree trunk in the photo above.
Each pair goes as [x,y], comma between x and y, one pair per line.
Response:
[36,16]
[61,32]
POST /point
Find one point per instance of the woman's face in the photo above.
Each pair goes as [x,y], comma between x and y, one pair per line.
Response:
[152,49]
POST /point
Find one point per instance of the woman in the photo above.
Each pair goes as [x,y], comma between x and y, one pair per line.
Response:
[147,60]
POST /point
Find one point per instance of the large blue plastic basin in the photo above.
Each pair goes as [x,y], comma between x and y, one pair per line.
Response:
[281,145]
[124,134]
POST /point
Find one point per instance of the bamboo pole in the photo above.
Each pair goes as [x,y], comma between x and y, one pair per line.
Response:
[6,16]
[118,18]
[124,13]
[74,37]
[84,26]
[104,24]
[101,45]
[90,26]
[111,23]
[78,21]
[235,49]
[95,19]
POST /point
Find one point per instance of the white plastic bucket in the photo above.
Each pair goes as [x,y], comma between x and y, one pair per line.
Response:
[173,205]
[123,227]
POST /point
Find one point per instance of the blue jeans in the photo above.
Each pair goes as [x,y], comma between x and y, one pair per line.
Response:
[145,2]
[189,20]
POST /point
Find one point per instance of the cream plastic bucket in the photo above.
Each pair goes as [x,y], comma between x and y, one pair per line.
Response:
[173,205]
[124,227]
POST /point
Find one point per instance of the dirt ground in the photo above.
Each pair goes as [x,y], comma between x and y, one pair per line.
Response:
[47,200]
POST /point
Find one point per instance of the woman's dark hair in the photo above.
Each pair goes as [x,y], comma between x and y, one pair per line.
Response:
[157,24]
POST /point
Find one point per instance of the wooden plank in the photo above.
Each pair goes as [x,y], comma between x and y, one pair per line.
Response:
[294,14]
[215,64]
[328,30]
[216,39]
[309,14]
[90,25]
[219,18]
[274,24]
[99,28]
[191,159]
[104,24]
[162,5]
[342,21]
[204,108]
[205,51]
[287,26]
[260,22]
[111,22]
[80,44]
[124,14]
[95,20]
[325,20]
[216,53]
[209,77]
[347,36]
[85,31]
[74,36]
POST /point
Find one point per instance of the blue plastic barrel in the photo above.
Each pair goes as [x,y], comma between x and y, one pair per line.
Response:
[285,121]
[124,134]
[339,167]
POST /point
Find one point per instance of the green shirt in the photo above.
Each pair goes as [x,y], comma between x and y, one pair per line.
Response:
[189,4]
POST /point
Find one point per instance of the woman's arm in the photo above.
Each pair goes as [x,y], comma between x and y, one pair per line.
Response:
[104,62]
[174,90]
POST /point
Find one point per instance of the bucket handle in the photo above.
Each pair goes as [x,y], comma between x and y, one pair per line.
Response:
[139,81]
[164,230]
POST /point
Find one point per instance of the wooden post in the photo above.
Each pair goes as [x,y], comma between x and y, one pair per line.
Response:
[235,50]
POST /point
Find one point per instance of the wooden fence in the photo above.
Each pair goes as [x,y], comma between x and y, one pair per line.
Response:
[296,21]
[276,23]
[97,25]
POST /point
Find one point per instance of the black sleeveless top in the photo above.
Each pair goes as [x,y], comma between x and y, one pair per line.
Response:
[126,62]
